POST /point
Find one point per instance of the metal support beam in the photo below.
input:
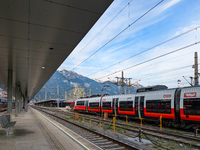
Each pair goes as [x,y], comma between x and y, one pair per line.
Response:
[20,102]
[25,104]
[16,100]
[9,91]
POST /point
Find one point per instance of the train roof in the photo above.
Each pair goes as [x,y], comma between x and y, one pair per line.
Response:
[145,90]
[152,88]
[97,95]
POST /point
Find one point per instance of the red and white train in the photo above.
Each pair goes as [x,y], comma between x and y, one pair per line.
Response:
[179,107]
[3,104]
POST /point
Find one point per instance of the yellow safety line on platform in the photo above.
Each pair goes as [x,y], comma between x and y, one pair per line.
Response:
[64,131]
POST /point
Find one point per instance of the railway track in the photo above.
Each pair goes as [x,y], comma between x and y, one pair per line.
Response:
[104,141]
[183,139]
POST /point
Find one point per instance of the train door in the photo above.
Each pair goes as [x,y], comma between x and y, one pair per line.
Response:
[141,107]
[115,105]
[136,106]
[86,105]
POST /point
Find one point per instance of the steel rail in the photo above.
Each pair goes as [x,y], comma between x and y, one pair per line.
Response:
[121,125]
[102,135]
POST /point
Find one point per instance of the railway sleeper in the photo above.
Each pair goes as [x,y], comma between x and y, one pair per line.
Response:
[118,148]
[102,143]
[93,137]
[110,145]
[96,139]
[89,135]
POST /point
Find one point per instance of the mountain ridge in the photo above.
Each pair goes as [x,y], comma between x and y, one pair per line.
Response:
[68,80]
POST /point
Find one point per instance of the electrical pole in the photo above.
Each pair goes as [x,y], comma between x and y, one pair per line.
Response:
[129,85]
[196,79]
[90,91]
[122,82]
[45,94]
[57,96]
[65,95]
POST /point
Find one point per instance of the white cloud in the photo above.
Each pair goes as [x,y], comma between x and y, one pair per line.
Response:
[157,26]
[168,4]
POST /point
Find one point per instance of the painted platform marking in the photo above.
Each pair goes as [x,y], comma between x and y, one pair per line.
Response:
[74,139]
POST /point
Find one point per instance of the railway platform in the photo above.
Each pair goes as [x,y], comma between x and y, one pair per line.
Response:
[34,131]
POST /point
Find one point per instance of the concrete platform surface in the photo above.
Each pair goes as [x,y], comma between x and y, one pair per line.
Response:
[35,131]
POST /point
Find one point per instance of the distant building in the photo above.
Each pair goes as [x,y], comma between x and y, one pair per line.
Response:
[76,93]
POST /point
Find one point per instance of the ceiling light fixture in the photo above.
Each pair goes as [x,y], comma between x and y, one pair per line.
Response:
[43,67]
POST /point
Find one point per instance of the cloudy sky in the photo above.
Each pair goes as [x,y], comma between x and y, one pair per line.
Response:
[151,44]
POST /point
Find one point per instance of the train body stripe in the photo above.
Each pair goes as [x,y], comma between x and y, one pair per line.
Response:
[80,107]
[95,110]
[188,117]
[164,115]
[108,111]
[126,112]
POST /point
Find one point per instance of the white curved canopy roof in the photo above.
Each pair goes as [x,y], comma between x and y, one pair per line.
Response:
[41,33]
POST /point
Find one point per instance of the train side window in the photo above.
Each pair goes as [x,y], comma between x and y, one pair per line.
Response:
[159,106]
[107,105]
[191,106]
[136,103]
[94,105]
[126,105]
[122,105]
[150,106]
[80,103]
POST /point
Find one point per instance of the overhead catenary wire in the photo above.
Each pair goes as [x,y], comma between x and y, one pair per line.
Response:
[151,48]
[145,76]
[158,79]
[153,64]
[101,30]
[163,71]
[166,80]
[119,34]
[172,77]
[152,59]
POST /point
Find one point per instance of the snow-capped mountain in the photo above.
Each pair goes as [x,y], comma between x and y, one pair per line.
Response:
[68,80]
